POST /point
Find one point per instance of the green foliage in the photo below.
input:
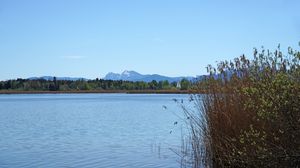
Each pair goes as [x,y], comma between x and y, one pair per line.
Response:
[185,84]
[97,84]
[153,85]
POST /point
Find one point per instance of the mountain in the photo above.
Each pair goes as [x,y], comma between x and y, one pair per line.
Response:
[126,76]
[135,76]
[57,78]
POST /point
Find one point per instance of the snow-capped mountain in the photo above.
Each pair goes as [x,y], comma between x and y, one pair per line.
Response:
[113,76]
[135,76]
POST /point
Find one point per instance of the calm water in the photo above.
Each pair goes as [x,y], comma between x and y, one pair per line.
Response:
[89,130]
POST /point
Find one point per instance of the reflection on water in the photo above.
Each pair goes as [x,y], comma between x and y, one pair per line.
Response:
[88,130]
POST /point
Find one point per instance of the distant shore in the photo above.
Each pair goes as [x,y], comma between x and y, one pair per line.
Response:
[99,91]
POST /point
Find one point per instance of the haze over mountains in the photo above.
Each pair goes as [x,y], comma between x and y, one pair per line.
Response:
[57,78]
[126,76]
[135,76]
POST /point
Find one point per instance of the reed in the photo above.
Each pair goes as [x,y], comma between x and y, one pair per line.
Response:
[250,114]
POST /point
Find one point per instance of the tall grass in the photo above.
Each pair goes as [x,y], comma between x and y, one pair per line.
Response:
[249,115]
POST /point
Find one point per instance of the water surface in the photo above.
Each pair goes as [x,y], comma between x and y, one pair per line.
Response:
[88,130]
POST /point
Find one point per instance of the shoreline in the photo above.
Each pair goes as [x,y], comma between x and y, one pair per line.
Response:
[100,91]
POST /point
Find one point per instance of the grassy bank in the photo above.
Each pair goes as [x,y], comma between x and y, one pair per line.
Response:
[100,91]
[250,116]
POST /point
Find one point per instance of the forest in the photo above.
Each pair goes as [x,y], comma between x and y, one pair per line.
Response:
[90,85]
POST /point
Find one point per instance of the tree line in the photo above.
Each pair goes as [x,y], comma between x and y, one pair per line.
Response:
[96,84]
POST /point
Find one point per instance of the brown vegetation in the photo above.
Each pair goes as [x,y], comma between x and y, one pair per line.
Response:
[250,116]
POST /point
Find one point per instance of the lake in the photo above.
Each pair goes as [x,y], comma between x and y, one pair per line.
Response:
[89,130]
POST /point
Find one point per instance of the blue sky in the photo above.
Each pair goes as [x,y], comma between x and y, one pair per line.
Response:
[88,38]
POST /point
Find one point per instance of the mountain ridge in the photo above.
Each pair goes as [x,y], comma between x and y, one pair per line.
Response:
[57,78]
[135,76]
[125,76]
